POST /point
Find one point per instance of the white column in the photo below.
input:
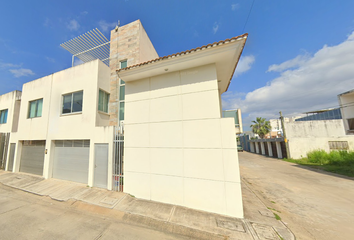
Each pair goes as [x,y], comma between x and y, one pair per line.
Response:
[257,147]
[262,148]
[252,147]
[17,156]
[280,155]
[270,151]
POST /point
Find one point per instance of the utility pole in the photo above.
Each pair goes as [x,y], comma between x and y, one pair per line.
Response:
[284,135]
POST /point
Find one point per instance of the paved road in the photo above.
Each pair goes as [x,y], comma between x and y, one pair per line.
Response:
[314,205]
[27,216]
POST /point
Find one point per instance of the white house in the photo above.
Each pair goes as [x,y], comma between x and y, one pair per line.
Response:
[9,112]
[178,148]
[63,126]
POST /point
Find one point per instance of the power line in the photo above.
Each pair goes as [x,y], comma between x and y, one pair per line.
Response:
[249,13]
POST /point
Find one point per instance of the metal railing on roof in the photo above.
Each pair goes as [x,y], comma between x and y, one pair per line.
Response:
[89,46]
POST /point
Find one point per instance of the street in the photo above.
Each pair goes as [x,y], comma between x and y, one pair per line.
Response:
[28,216]
[313,204]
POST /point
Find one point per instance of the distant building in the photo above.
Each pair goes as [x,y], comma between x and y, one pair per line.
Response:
[325,114]
[346,103]
[236,115]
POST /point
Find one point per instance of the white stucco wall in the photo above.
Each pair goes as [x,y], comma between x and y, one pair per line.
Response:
[306,136]
[53,125]
[10,102]
[322,128]
[178,149]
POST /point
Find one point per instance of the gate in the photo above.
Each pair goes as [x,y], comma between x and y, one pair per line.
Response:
[118,159]
[4,143]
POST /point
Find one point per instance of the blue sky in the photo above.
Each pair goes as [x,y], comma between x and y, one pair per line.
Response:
[299,55]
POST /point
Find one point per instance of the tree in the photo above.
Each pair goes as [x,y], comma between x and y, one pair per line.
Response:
[261,127]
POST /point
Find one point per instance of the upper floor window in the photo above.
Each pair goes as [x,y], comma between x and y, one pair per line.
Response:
[72,102]
[35,108]
[103,100]
[3,116]
[123,64]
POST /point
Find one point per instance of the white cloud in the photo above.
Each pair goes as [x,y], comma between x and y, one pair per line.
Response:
[73,25]
[8,65]
[313,84]
[292,63]
[105,26]
[21,72]
[244,64]
[49,59]
[215,27]
[235,6]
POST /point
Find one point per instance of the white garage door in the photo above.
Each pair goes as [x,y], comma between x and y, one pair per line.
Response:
[32,157]
[71,160]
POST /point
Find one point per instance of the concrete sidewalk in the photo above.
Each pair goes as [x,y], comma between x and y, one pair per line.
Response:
[259,222]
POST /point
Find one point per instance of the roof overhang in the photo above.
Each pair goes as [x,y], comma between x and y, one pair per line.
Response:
[224,54]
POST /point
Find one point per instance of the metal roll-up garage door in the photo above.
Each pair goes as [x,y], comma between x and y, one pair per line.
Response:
[32,157]
[71,160]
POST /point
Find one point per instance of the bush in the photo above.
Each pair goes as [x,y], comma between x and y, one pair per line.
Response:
[338,158]
[317,156]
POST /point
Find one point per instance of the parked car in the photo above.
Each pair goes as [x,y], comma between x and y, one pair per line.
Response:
[239,148]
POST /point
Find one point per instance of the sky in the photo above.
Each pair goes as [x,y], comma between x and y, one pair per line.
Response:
[298,57]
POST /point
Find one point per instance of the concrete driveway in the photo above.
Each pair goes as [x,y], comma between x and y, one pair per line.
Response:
[313,204]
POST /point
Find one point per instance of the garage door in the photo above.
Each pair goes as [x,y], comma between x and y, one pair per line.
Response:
[71,160]
[32,157]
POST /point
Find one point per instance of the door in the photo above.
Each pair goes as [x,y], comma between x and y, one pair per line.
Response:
[32,157]
[101,165]
[71,160]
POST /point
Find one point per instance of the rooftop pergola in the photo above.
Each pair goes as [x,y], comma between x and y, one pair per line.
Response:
[89,46]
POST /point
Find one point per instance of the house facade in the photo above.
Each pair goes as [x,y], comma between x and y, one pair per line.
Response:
[178,148]
[9,113]
[161,118]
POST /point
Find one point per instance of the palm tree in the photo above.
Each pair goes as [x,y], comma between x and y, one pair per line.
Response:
[261,127]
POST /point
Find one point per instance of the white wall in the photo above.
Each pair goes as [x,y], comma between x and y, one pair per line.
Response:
[322,128]
[306,136]
[10,102]
[299,147]
[178,149]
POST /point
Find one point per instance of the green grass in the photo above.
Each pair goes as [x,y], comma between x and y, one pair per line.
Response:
[277,216]
[340,162]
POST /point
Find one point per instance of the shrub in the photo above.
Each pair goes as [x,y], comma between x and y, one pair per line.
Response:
[317,156]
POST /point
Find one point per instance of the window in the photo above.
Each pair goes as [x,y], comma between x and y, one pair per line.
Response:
[103,100]
[35,108]
[72,102]
[351,123]
[123,64]
[338,145]
[3,116]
